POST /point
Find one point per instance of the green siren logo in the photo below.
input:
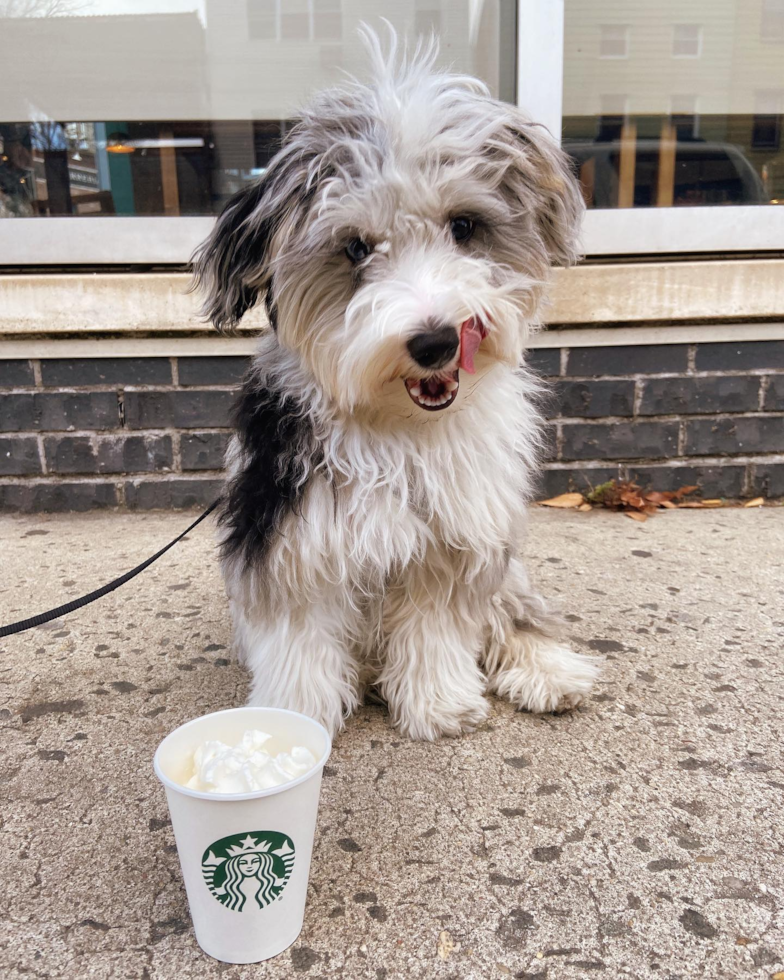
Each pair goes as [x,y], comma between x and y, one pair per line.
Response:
[248,871]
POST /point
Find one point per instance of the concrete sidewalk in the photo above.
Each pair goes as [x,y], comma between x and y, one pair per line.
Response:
[642,836]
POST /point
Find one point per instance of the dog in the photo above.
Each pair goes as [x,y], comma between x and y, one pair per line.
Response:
[386,435]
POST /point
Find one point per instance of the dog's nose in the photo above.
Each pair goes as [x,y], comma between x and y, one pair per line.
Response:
[434,348]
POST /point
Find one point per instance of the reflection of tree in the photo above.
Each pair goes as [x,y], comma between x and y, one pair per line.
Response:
[42,8]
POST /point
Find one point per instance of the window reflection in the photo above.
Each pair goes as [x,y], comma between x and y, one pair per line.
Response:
[668,110]
[118,168]
[167,107]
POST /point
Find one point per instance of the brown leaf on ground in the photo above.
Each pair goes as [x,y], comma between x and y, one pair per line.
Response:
[585,507]
[713,503]
[658,496]
[684,492]
[565,500]
[629,497]
[756,502]
[691,503]
[636,515]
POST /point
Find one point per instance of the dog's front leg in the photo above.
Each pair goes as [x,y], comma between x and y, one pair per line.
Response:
[430,677]
[299,659]
[524,660]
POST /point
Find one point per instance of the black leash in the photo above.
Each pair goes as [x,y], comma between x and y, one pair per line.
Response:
[27,624]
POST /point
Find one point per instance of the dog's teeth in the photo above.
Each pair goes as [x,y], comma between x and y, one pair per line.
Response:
[416,391]
[452,385]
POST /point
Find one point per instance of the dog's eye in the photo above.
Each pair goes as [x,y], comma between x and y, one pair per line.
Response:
[357,250]
[462,229]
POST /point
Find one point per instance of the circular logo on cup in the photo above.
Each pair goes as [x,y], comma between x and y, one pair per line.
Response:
[248,871]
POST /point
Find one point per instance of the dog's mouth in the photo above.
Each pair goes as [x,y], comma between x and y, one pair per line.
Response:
[434,393]
[439,390]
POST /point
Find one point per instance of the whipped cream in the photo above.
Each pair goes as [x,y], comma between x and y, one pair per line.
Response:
[247,766]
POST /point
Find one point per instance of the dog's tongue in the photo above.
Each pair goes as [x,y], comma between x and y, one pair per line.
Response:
[471,336]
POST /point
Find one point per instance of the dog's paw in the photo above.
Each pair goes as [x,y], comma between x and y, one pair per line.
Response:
[428,719]
[545,676]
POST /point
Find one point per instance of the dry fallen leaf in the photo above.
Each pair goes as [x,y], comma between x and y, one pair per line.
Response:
[713,503]
[636,515]
[684,491]
[778,976]
[585,506]
[669,504]
[742,941]
[692,504]
[756,502]
[445,945]
[563,500]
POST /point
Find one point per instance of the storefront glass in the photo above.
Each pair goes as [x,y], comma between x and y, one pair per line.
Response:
[126,108]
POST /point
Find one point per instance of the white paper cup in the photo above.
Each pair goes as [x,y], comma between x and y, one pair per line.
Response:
[245,857]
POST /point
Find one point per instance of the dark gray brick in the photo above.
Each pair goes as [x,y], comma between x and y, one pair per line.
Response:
[181,409]
[546,399]
[619,440]
[212,370]
[595,399]
[203,450]
[700,396]
[553,482]
[721,437]
[715,481]
[17,413]
[171,494]
[16,374]
[550,442]
[768,479]
[749,356]
[59,411]
[73,372]
[19,457]
[108,454]
[644,359]
[36,498]
[544,360]
[774,396]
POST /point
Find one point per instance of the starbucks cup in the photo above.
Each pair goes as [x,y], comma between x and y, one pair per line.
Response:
[245,857]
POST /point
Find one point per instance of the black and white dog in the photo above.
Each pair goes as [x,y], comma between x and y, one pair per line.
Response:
[385,436]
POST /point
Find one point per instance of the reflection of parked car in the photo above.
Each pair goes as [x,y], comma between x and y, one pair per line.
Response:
[703,173]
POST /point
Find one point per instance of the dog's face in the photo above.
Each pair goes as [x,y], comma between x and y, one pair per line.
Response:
[400,238]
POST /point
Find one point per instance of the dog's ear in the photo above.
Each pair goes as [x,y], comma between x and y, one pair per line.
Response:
[229,266]
[541,179]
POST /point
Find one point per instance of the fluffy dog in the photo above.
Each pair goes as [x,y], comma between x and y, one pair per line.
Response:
[386,434]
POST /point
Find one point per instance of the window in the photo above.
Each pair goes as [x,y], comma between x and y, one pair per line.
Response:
[686,41]
[295,20]
[613,111]
[772,21]
[766,122]
[674,149]
[684,117]
[327,20]
[184,106]
[614,41]
[263,20]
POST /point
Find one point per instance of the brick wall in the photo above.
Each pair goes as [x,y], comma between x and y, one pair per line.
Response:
[143,433]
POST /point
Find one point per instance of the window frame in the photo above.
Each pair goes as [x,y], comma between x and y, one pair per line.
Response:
[675,39]
[625,31]
[151,241]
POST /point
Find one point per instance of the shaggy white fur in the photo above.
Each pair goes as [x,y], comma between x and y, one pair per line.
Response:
[386,435]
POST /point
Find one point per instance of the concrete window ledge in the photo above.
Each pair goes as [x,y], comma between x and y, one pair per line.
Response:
[619,294]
